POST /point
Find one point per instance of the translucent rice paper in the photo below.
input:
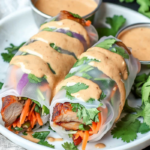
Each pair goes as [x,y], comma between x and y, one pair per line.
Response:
[109,107]
[92,33]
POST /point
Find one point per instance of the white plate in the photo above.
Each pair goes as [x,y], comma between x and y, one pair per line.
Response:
[20,26]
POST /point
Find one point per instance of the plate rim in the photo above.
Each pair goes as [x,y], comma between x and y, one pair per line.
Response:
[37,146]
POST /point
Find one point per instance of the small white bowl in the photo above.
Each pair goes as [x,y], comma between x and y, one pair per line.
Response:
[99,2]
[136,25]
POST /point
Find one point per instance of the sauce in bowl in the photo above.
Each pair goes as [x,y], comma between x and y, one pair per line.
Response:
[138,39]
[53,7]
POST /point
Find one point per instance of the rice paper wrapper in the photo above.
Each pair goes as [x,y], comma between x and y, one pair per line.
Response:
[109,107]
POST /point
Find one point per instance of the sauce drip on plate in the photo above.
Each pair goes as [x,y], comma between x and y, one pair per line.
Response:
[100,145]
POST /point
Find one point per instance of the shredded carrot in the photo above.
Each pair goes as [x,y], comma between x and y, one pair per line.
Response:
[25,111]
[88,23]
[93,127]
[44,87]
[29,117]
[79,133]
[33,120]
[9,128]
[99,123]
[15,123]
[85,139]
[18,123]
[38,117]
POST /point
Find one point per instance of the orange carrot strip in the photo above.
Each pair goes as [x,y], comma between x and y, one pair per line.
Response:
[33,120]
[44,87]
[38,117]
[29,117]
[79,133]
[88,23]
[93,127]
[85,139]
[18,123]
[15,123]
[99,123]
[9,128]
[25,111]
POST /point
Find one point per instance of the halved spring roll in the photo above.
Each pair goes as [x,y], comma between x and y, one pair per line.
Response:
[92,96]
[39,66]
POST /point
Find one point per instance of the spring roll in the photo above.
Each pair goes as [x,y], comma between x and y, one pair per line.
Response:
[92,96]
[39,66]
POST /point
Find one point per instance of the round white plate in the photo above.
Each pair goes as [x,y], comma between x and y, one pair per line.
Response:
[20,26]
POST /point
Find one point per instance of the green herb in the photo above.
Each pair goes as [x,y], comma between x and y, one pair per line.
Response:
[55,47]
[45,110]
[102,96]
[84,127]
[36,102]
[50,128]
[11,52]
[107,44]
[85,75]
[70,135]
[51,69]
[1,84]
[18,129]
[127,1]
[33,79]
[120,51]
[37,109]
[146,91]
[86,114]
[75,15]
[138,83]
[91,100]
[116,22]
[69,146]
[45,143]
[84,60]
[69,33]
[41,135]
[86,69]
[24,133]
[74,88]
[144,7]
[144,128]
[69,96]
[49,29]
[70,75]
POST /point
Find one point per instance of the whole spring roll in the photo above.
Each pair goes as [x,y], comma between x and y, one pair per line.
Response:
[92,96]
[39,66]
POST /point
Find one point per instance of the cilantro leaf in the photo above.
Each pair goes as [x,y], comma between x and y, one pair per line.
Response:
[7,56]
[102,96]
[51,69]
[41,135]
[33,79]
[76,106]
[127,1]
[36,102]
[120,51]
[91,100]
[55,47]
[18,129]
[92,112]
[69,146]
[84,127]
[144,128]
[107,44]
[146,91]
[1,84]
[75,15]
[45,110]
[146,114]
[69,33]
[37,109]
[70,75]
[68,95]
[45,143]
[49,29]
[144,7]
[116,22]
[13,48]
[24,133]
[127,128]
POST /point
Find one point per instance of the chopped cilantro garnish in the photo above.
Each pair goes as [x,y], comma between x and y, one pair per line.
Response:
[51,69]
[69,146]
[102,96]
[33,79]
[84,127]
[116,22]
[84,60]
[91,100]
[120,51]
[75,15]
[107,44]
[1,84]
[49,29]
[41,135]
[45,110]
[45,143]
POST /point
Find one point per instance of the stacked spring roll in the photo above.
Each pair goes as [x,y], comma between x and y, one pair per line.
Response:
[39,66]
[92,96]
